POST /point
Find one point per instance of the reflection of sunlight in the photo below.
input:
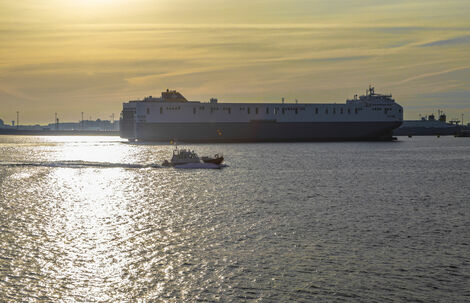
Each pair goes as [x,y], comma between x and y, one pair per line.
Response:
[107,232]
[65,139]
[90,148]
[89,220]
[100,149]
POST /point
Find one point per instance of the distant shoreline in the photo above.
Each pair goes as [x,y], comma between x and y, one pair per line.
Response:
[32,132]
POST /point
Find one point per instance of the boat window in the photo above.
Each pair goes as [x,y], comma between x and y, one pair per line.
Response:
[161,110]
[267,110]
[399,110]
[326,110]
[229,110]
[355,110]
[334,110]
[341,110]
[349,110]
[316,110]
[296,111]
[248,109]
[276,110]
[283,110]
[256,110]
[148,110]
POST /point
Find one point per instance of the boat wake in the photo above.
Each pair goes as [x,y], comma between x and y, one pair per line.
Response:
[88,164]
[78,164]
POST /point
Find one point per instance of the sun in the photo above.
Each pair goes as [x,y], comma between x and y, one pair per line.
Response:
[95,3]
[93,9]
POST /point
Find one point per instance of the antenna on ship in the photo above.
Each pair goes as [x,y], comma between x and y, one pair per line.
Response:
[56,121]
[17,119]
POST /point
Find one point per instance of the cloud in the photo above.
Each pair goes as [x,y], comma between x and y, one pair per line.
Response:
[433,74]
[445,42]
[250,50]
[311,59]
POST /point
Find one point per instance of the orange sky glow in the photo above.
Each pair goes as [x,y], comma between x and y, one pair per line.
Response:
[90,56]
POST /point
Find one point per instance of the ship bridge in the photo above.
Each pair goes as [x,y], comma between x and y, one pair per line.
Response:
[372,98]
[167,96]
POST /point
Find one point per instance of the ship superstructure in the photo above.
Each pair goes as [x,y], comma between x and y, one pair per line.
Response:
[429,126]
[369,117]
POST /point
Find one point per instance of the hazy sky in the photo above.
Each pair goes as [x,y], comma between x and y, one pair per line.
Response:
[69,56]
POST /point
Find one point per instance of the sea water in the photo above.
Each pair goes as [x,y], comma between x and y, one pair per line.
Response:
[96,219]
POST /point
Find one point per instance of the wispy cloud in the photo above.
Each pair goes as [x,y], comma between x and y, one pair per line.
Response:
[433,74]
[445,42]
[249,50]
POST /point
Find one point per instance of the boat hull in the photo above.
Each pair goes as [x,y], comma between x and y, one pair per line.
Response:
[217,161]
[264,131]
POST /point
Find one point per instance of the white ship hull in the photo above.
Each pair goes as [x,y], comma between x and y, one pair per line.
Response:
[163,120]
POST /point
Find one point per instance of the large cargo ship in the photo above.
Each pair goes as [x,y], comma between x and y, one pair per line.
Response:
[172,117]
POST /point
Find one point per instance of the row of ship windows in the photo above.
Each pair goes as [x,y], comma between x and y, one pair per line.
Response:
[276,110]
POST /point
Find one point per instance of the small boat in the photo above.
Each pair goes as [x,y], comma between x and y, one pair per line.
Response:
[183,157]
[217,159]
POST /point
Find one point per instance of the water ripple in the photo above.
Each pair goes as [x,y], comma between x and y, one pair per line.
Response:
[354,222]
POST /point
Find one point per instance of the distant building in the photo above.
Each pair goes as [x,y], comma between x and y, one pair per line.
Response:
[102,125]
[98,125]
